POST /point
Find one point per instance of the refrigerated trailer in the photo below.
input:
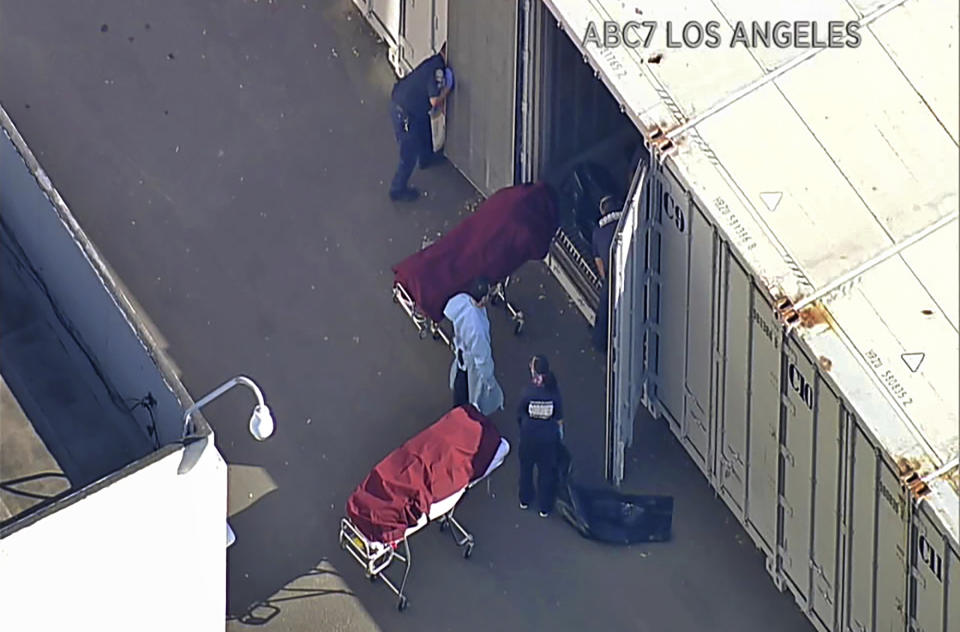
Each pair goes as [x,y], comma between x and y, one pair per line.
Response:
[785,293]
[785,277]
[412,30]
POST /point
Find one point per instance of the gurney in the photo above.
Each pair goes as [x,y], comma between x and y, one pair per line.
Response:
[514,225]
[418,483]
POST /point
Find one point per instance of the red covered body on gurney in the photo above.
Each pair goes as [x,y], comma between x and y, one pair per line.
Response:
[440,461]
[514,225]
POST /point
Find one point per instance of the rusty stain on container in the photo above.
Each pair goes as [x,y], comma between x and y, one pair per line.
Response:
[826,363]
[953,479]
[655,58]
[815,316]
[927,312]
[907,466]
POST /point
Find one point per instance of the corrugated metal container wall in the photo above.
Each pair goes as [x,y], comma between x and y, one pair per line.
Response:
[482,49]
[764,422]
[411,29]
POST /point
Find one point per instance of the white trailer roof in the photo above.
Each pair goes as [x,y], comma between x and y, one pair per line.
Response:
[834,172]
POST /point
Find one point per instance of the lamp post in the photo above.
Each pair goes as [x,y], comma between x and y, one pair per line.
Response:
[261,426]
[261,419]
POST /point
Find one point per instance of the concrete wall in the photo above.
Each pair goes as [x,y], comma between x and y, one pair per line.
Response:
[88,298]
[145,552]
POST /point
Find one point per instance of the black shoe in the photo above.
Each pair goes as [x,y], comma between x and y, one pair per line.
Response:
[406,195]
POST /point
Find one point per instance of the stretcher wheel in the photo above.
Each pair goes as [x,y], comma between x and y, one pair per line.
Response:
[423,334]
[443,526]
[468,551]
[495,300]
[436,335]
[518,328]
[402,604]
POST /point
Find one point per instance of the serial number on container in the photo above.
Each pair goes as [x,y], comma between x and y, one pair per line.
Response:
[888,378]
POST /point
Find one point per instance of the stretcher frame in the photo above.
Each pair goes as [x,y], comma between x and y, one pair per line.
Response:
[376,557]
[427,326]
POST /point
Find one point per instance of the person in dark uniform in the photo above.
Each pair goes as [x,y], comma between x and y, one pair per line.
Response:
[610,211]
[425,88]
[540,415]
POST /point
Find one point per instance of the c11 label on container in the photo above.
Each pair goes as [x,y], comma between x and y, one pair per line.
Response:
[930,557]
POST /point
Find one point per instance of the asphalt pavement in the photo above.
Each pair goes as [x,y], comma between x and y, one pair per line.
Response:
[230,158]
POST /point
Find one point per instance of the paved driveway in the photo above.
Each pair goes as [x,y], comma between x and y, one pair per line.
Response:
[230,159]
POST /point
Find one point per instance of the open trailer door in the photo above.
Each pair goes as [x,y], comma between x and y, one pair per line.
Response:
[632,345]
[482,49]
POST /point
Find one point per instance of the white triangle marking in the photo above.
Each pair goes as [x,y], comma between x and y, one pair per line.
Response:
[771,200]
[913,360]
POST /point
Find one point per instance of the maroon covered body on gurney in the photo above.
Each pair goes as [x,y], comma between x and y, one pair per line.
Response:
[438,462]
[511,227]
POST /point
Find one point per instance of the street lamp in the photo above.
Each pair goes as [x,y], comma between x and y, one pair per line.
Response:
[261,419]
[261,424]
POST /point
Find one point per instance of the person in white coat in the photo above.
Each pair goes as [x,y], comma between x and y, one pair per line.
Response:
[472,378]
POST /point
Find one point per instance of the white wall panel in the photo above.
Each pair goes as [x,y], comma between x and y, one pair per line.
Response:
[827,478]
[481,111]
[862,535]
[734,387]
[891,554]
[930,576]
[675,241]
[764,447]
[699,361]
[953,591]
[152,544]
[800,401]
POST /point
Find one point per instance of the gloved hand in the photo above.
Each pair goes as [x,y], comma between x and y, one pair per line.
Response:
[448,77]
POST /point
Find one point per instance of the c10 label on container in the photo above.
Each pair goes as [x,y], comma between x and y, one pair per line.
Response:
[800,385]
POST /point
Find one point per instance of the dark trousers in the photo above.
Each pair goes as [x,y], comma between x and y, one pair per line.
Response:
[415,139]
[541,452]
[600,332]
[461,389]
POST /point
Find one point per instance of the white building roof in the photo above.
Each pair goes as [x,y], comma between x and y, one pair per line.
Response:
[839,167]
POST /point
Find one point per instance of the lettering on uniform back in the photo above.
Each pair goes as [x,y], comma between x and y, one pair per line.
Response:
[538,409]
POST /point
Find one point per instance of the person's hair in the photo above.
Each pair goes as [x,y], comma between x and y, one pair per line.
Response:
[479,288]
[541,366]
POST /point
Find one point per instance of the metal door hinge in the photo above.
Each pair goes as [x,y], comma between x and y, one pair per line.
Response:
[660,145]
[786,314]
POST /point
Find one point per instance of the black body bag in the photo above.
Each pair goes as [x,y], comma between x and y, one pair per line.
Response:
[608,516]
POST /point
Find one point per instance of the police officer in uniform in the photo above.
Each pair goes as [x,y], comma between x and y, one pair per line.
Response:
[540,415]
[425,88]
